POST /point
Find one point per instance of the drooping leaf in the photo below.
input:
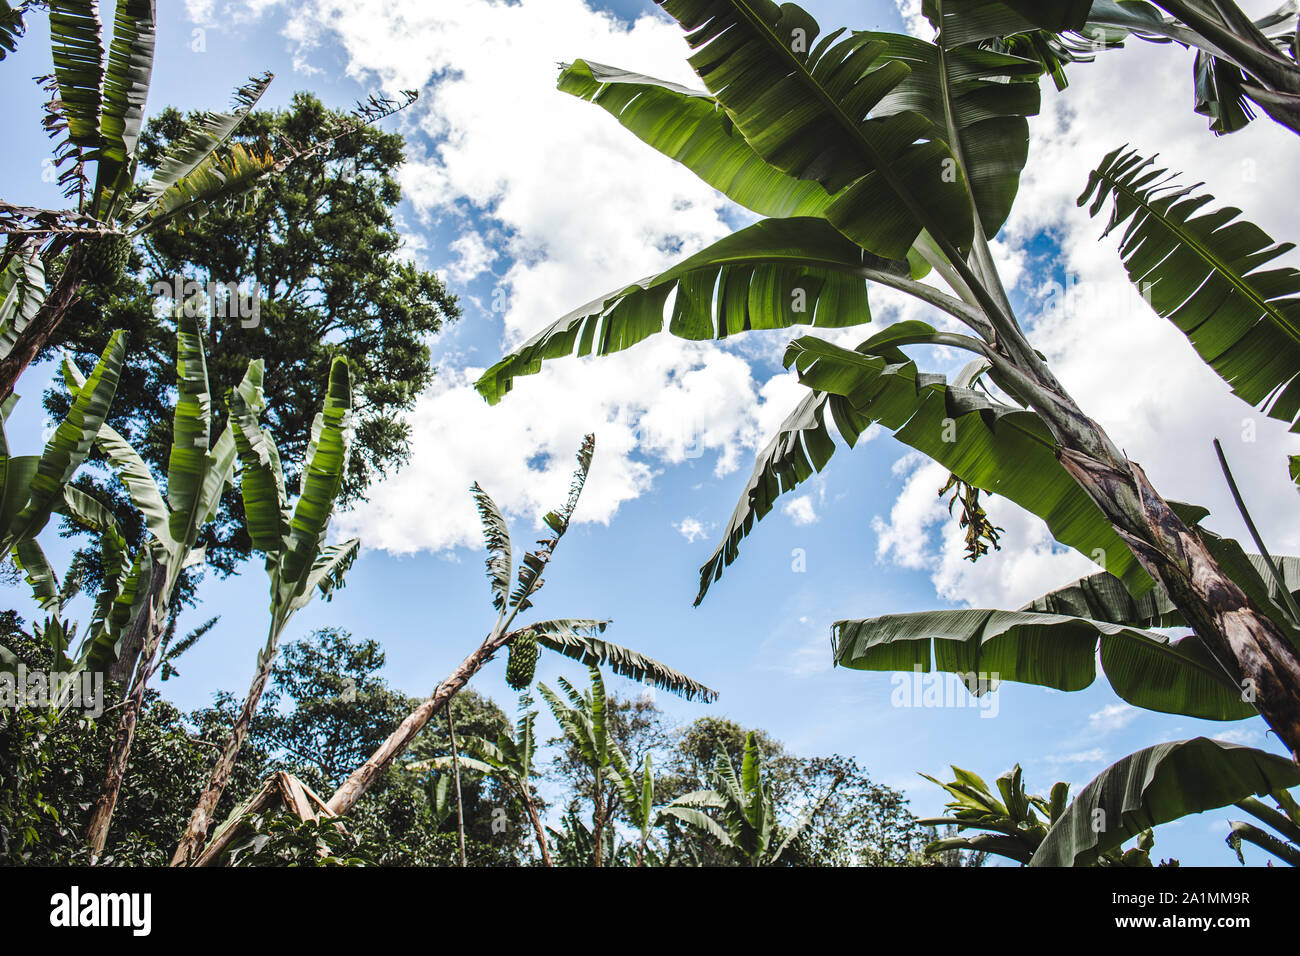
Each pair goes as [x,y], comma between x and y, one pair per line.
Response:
[329,571]
[138,481]
[22,293]
[577,639]
[998,448]
[1158,785]
[688,126]
[774,274]
[70,443]
[1204,271]
[1146,669]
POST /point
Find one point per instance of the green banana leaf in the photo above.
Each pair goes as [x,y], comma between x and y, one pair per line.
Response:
[22,293]
[1204,271]
[577,639]
[1158,785]
[126,87]
[774,274]
[688,126]
[75,42]
[196,147]
[806,109]
[998,448]
[39,485]
[261,479]
[322,479]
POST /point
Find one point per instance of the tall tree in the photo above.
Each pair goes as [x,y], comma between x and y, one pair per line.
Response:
[316,259]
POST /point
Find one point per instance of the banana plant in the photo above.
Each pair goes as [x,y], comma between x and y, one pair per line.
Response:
[1284,818]
[744,816]
[583,722]
[1157,785]
[509,759]
[1239,59]
[574,638]
[638,796]
[1011,827]
[198,472]
[298,561]
[887,160]
[95,114]
[12,25]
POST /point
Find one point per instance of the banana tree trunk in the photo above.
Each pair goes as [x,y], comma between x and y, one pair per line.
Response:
[531,807]
[201,819]
[364,777]
[33,338]
[1246,642]
[597,824]
[151,626]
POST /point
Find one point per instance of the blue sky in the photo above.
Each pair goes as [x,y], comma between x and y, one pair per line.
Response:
[667,474]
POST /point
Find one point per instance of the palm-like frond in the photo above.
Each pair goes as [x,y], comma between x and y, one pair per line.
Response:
[12,26]
[64,453]
[198,144]
[496,536]
[774,274]
[688,126]
[126,87]
[807,106]
[1204,271]
[577,639]
[75,41]
[322,479]
[22,292]
[534,562]
[261,478]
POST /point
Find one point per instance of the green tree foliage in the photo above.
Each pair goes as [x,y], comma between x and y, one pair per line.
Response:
[320,243]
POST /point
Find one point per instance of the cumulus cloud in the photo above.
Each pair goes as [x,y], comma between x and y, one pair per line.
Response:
[564,205]
[473,257]
[800,509]
[690,528]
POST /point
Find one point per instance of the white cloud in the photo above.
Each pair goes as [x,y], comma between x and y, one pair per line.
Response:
[473,257]
[1095,755]
[1241,736]
[690,528]
[800,510]
[575,207]
[1112,717]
